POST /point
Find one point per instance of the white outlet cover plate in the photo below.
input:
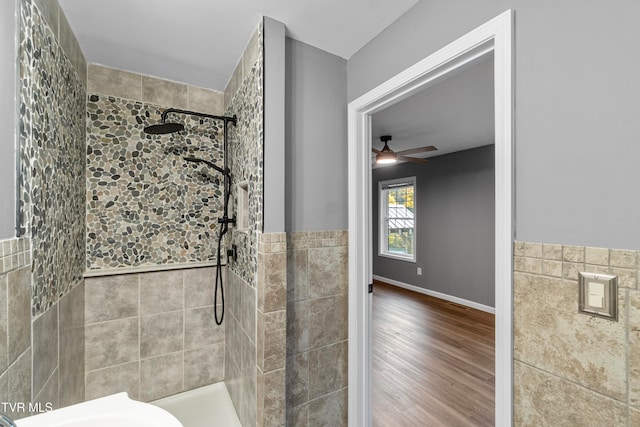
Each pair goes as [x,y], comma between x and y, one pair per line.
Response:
[598,295]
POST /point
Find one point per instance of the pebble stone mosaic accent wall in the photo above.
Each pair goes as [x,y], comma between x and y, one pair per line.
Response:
[146,205]
[43,271]
[246,156]
[52,145]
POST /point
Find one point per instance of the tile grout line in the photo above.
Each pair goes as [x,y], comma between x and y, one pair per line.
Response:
[627,355]
[570,381]
[308,371]
[6,355]
[58,304]
[184,326]
[139,331]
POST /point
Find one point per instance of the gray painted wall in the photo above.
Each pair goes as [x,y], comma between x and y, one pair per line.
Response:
[274,125]
[7,118]
[316,139]
[577,91]
[455,225]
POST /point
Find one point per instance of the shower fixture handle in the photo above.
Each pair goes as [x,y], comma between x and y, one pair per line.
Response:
[232,253]
[227,220]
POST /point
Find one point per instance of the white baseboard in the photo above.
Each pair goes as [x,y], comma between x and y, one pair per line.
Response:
[435,294]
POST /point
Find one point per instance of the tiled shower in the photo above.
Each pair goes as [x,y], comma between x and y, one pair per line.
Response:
[160,337]
[288,285]
[111,287]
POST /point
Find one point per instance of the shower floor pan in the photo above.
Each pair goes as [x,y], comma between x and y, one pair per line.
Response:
[208,406]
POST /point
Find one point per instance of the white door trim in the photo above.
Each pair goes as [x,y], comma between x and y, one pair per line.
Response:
[494,36]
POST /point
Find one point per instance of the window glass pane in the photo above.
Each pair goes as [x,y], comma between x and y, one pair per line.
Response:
[400,220]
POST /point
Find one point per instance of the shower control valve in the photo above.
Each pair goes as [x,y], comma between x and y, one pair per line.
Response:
[232,253]
[227,220]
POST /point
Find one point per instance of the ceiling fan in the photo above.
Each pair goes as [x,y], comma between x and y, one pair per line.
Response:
[387,155]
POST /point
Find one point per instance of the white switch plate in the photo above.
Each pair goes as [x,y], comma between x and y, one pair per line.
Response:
[598,295]
[419,271]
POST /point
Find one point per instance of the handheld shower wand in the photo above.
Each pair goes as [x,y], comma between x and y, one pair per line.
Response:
[163,128]
[224,221]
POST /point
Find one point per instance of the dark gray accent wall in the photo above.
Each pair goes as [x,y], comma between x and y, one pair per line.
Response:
[274,125]
[577,91]
[7,118]
[316,139]
[455,197]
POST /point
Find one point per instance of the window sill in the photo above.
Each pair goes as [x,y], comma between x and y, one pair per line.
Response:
[398,257]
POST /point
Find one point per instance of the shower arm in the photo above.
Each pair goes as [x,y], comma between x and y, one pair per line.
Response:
[226,119]
[212,165]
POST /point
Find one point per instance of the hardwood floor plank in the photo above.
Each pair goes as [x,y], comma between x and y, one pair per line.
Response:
[432,361]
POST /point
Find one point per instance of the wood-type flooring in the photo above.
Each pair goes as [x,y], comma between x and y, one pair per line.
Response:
[432,361]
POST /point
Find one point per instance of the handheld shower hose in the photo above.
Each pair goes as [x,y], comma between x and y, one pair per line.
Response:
[224,222]
[164,128]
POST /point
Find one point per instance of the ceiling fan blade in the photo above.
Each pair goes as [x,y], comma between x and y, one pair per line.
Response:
[416,150]
[412,159]
[375,150]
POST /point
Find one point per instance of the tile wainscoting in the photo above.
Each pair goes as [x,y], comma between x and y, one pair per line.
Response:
[317,328]
[271,329]
[41,358]
[256,337]
[571,368]
[15,323]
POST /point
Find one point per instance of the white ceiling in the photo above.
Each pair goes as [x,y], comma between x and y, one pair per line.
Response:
[199,42]
[453,115]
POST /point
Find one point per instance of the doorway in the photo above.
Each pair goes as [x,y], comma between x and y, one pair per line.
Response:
[494,37]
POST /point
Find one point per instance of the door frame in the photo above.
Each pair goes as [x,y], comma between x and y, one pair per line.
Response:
[495,36]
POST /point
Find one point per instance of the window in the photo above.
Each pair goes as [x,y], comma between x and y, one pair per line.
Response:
[397,223]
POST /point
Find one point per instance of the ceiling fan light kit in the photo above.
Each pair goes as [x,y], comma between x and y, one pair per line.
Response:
[386,159]
[388,156]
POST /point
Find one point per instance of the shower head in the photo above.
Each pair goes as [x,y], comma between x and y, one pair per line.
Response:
[164,128]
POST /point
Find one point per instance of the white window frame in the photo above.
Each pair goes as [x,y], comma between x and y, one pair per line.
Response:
[383,219]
